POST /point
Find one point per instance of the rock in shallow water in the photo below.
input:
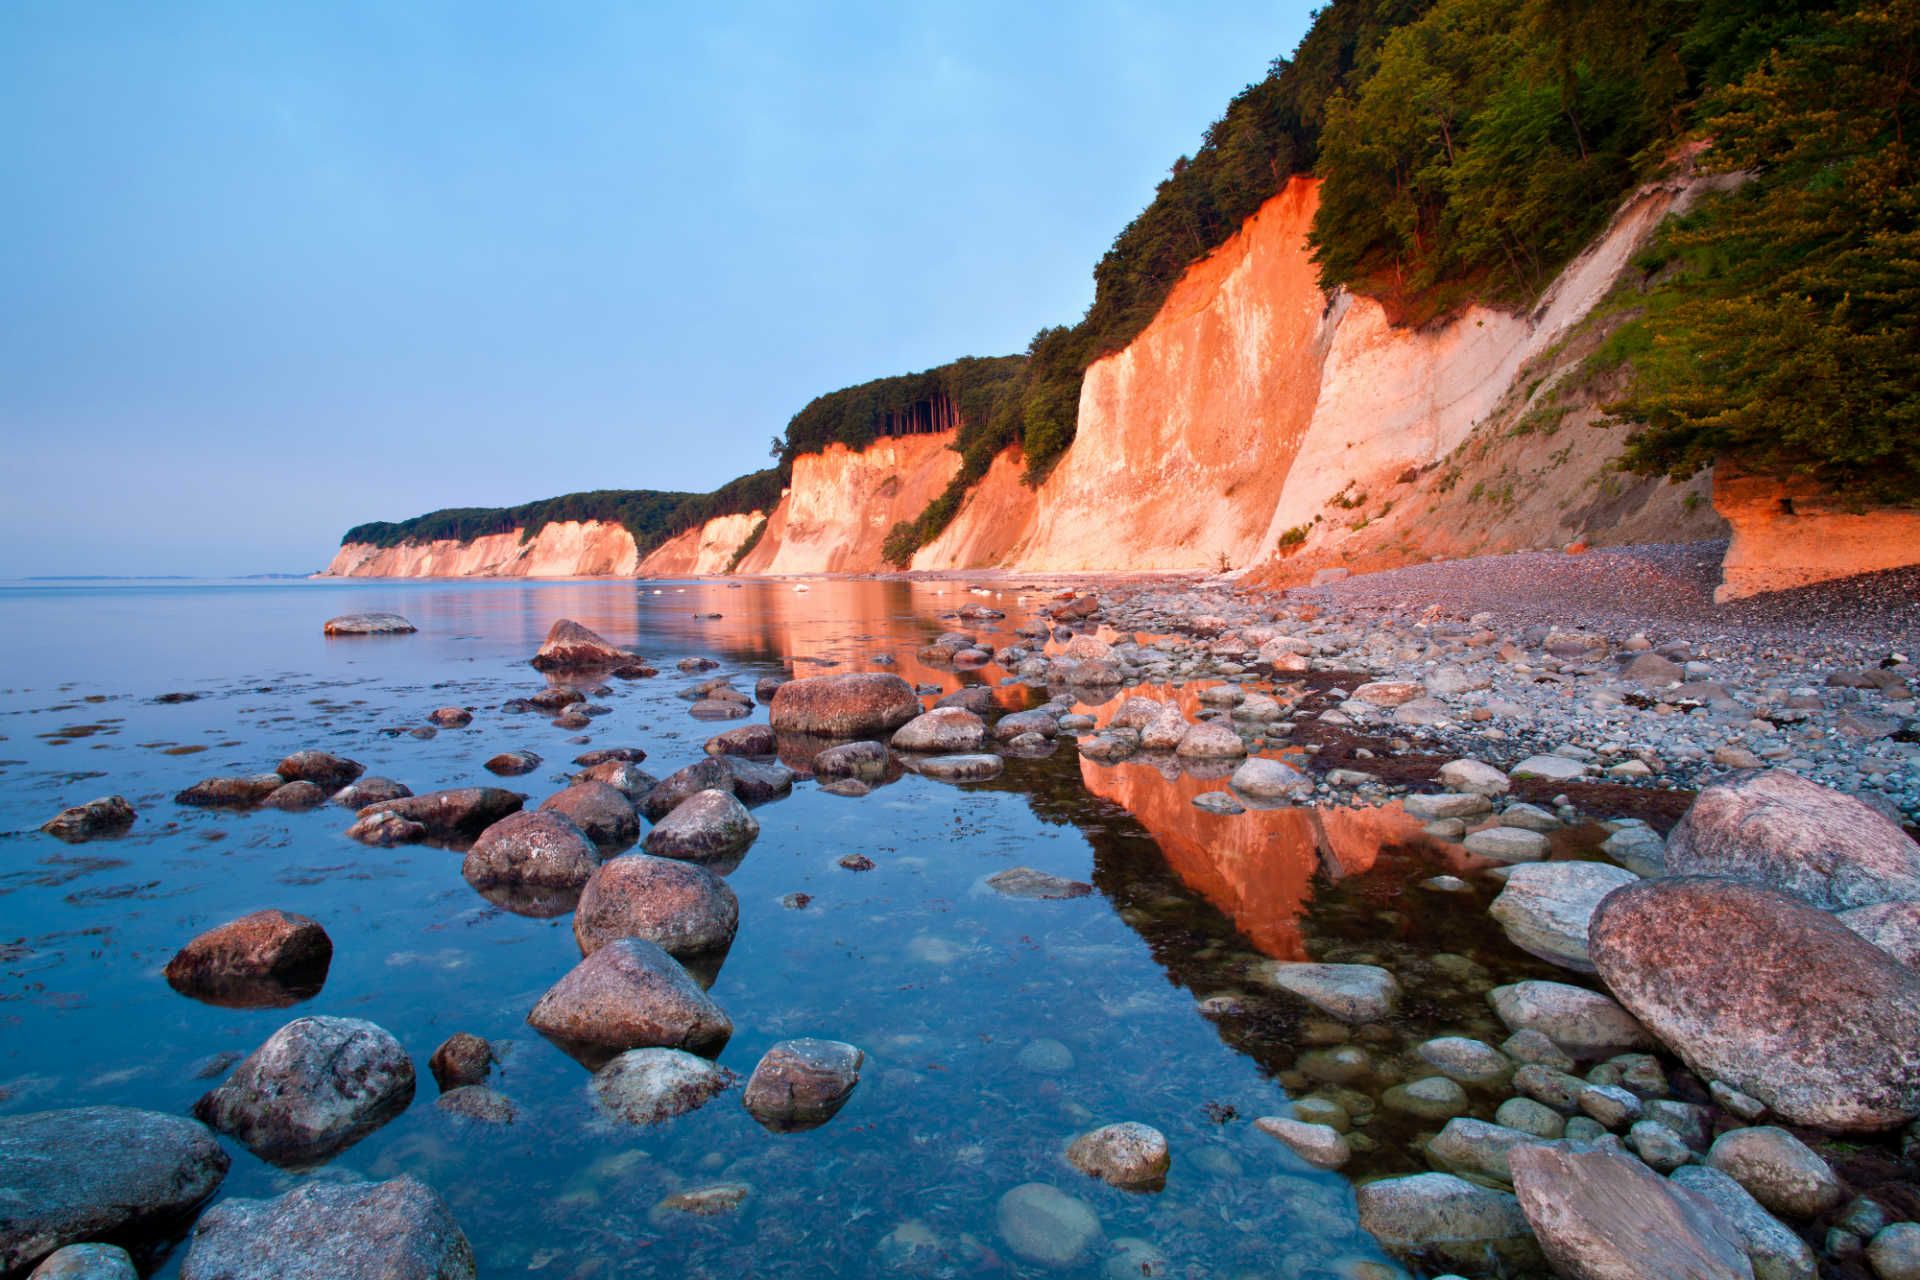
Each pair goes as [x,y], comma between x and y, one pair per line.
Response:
[1437,1218]
[1585,1023]
[572,647]
[1350,992]
[1025,882]
[266,959]
[1321,1146]
[459,814]
[1045,1225]
[87,1262]
[942,730]
[975,767]
[397,1230]
[680,907]
[461,1059]
[843,706]
[649,1086]
[317,1086]
[95,820]
[1778,1170]
[98,1172]
[368,624]
[631,994]
[708,826]
[1772,1247]
[599,809]
[1758,990]
[323,769]
[539,850]
[1546,907]
[1603,1216]
[801,1084]
[1267,779]
[1129,1155]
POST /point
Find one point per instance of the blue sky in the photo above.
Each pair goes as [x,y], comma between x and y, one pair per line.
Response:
[268,270]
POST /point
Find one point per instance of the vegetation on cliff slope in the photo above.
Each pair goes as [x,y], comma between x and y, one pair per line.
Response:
[1782,322]
[652,516]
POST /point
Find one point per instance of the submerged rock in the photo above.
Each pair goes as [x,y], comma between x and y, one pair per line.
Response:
[1778,1170]
[630,994]
[385,830]
[680,907]
[87,1262]
[572,647]
[512,764]
[95,820]
[1025,882]
[369,624]
[268,958]
[396,1230]
[1772,1247]
[1350,992]
[93,1173]
[972,767]
[1779,830]
[1046,1226]
[1129,1155]
[537,850]
[1757,990]
[802,1084]
[864,760]
[1266,779]
[648,1086]
[1321,1146]
[315,1087]
[843,706]
[1603,1216]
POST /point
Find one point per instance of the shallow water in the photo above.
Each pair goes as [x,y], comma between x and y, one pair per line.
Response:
[940,980]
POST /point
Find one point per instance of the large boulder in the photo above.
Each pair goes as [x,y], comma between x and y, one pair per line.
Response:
[317,1086]
[601,810]
[629,994]
[323,769]
[459,814]
[572,647]
[265,959]
[1758,990]
[854,705]
[1604,1216]
[708,826]
[802,1084]
[647,1086]
[1585,1023]
[395,1230]
[680,907]
[96,819]
[541,849]
[1546,906]
[1777,829]
[94,1173]
[943,729]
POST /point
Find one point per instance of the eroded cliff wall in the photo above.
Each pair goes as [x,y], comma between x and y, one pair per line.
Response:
[703,551]
[565,549]
[842,503]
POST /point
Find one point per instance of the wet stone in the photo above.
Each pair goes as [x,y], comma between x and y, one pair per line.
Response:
[1128,1155]
[1025,882]
[630,994]
[87,1262]
[316,1086]
[1046,1226]
[265,959]
[511,764]
[479,1104]
[961,768]
[92,1173]
[332,1231]
[708,826]
[650,1086]
[1350,992]
[461,1059]
[95,820]
[1320,1145]
[802,1084]
[600,810]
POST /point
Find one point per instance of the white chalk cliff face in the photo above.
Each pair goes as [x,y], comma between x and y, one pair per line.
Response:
[566,549]
[1256,424]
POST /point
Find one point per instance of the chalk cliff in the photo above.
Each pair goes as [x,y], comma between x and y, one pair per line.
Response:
[564,549]
[1261,425]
